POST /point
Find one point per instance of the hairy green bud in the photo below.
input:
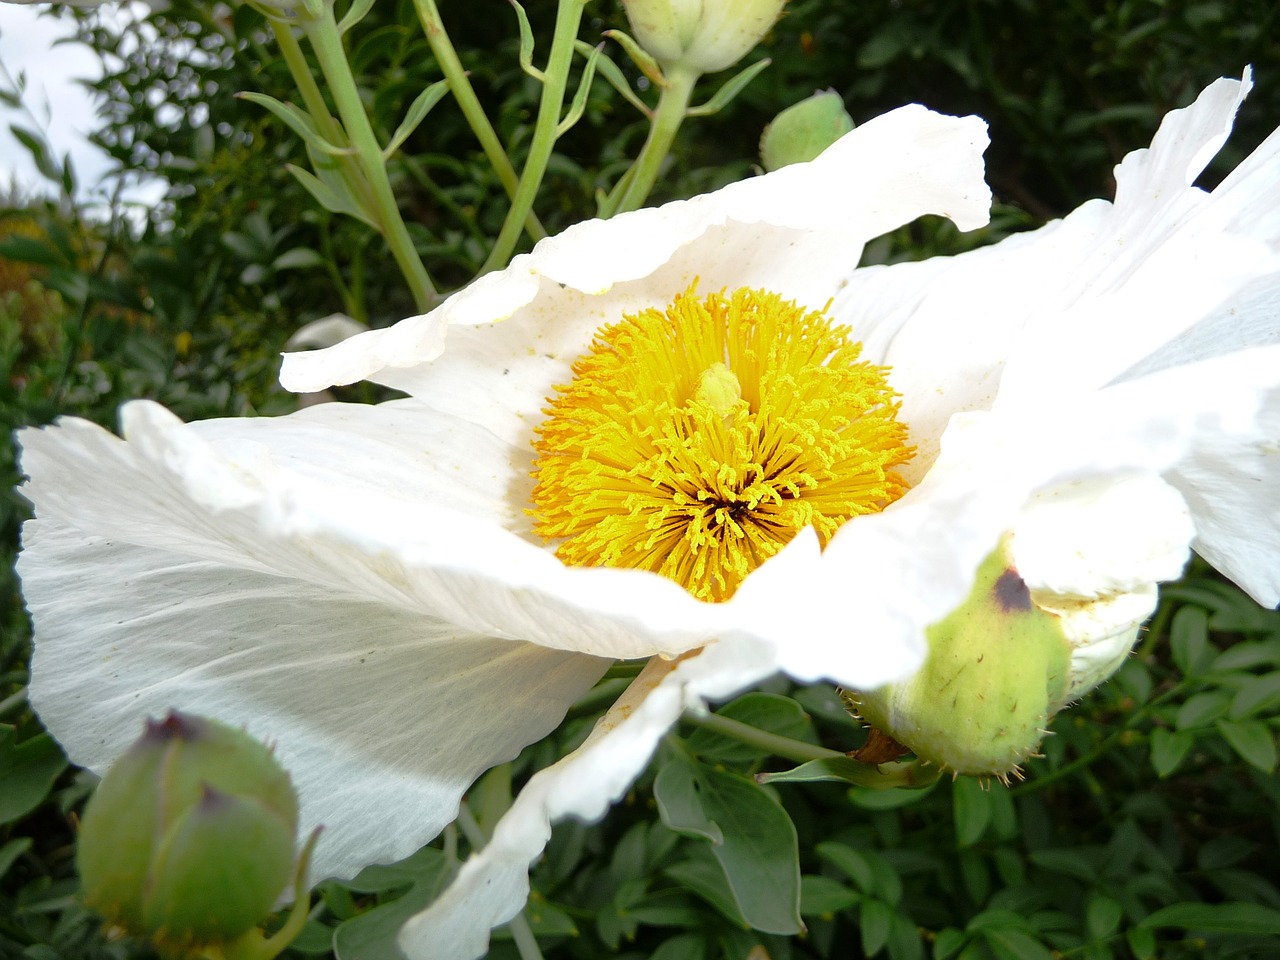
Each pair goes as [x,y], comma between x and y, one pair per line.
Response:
[998,669]
[189,838]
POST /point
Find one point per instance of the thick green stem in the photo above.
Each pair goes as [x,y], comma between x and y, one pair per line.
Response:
[670,113]
[327,43]
[469,103]
[770,743]
[555,80]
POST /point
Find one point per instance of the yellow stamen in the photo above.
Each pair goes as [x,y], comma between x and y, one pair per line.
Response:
[697,440]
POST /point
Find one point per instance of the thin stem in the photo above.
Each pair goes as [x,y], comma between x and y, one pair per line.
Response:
[556,79]
[771,743]
[670,113]
[524,939]
[325,40]
[469,103]
[13,701]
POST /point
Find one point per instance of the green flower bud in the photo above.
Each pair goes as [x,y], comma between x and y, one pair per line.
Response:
[703,36]
[998,668]
[189,838]
[803,130]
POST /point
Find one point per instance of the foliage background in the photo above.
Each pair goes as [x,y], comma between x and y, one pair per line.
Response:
[1150,826]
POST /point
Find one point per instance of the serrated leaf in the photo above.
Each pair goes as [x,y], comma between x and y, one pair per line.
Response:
[27,772]
[753,839]
[1243,918]
[1252,740]
[416,113]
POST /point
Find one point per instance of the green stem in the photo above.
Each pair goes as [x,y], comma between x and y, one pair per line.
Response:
[465,95]
[327,43]
[771,743]
[670,113]
[556,79]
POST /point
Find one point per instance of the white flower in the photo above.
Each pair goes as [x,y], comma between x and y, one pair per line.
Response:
[360,584]
[363,585]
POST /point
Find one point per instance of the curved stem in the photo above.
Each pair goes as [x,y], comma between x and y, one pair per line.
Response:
[469,103]
[556,79]
[670,113]
[771,743]
[327,43]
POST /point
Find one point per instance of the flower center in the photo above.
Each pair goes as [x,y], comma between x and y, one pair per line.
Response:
[696,441]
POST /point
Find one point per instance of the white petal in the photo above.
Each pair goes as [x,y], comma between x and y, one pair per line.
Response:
[1097,537]
[493,885]
[346,523]
[793,231]
[1073,305]
[382,716]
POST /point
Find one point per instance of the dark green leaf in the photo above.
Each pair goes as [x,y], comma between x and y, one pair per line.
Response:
[972,809]
[752,838]
[1242,918]
[27,772]
[1253,740]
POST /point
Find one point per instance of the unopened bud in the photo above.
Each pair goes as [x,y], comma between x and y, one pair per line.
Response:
[189,838]
[998,668]
[803,130]
[703,36]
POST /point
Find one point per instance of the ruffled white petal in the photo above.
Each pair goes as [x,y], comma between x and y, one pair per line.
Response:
[1162,272]
[794,231]
[493,885]
[382,716]
[384,524]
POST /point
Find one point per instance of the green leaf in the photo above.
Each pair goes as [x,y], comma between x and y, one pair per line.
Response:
[972,809]
[373,933]
[525,54]
[358,11]
[1241,918]
[1168,748]
[1256,695]
[1253,740]
[417,112]
[823,896]
[1009,944]
[615,77]
[1142,941]
[11,851]
[948,943]
[730,89]
[327,196]
[1202,709]
[684,946]
[1189,640]
[876,919]
[27,772]
[1102,916]
[850,862]
[579,104]
[298,258]
[299,121]
[753,839]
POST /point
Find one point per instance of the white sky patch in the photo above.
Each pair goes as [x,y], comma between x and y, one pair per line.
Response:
[61,106]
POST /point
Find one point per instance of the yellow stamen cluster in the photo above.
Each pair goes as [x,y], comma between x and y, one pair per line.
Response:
[697,440]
